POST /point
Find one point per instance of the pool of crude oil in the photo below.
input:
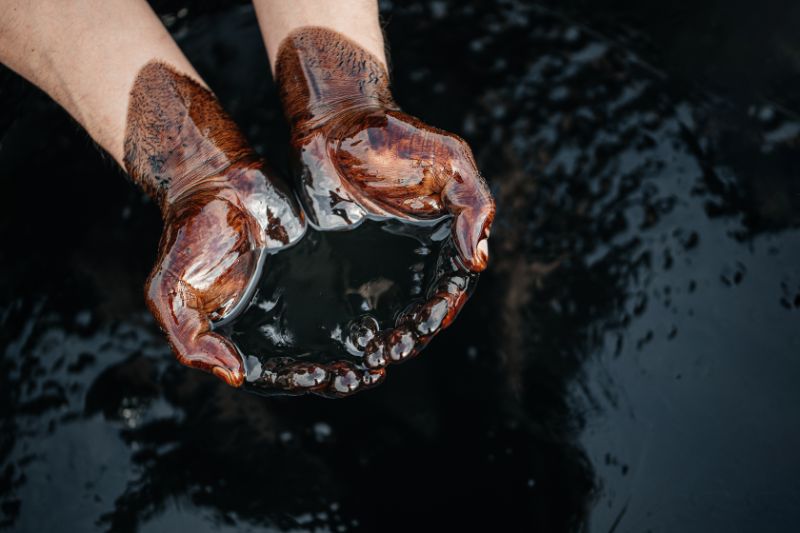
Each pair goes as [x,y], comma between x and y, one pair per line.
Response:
[315,299]
[628,363]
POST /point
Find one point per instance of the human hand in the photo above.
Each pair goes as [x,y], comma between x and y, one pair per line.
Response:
[223,212]
[357,155]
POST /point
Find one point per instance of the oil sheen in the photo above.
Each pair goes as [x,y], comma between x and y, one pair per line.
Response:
[324,298]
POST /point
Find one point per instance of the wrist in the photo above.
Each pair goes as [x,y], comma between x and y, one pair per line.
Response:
[322,74]
[178,139]
[230,180]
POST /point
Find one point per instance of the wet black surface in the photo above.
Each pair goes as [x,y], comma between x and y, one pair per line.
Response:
[314,299]
[629,361]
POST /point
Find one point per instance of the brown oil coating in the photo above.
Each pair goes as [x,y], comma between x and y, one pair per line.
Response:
[221,207]
[357,154]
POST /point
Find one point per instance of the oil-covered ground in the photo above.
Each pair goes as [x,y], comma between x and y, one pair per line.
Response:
[629,362]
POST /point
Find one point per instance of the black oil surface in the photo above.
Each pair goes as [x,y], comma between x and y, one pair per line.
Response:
[629,362]
[313,297]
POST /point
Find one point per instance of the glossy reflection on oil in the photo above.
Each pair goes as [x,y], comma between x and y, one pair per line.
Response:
[370,296]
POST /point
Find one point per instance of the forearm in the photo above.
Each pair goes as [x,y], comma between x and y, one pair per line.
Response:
[86,56]
[355,19]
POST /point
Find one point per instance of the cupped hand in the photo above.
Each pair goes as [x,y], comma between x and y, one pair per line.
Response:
[356,155]
[224,212]
[211,253]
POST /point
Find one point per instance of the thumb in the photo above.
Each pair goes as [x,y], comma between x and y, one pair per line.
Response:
[468,198]
[178,310]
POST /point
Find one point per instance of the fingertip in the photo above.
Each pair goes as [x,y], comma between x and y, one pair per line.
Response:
[346,379]
[307,377]
[375,354]
[471,235]
[432,316]
[373,376]
[401,344]
[232,378]
[481,257]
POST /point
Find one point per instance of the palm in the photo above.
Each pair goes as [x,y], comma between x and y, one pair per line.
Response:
[385,163]
[210,252]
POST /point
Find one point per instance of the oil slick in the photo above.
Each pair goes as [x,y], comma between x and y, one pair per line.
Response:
[373,295]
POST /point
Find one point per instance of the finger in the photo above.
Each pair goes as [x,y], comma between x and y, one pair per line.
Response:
[418,324]
[284,375]
[401,343]
[446,299]
[289,376]
[347,379]
[467,197]
[281,221]
[446,295]
[392,346]
[325,199]
[176,307]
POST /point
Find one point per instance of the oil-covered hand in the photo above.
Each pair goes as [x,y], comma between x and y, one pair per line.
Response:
[367,297]
[357,155]
[223,212]
[449,289]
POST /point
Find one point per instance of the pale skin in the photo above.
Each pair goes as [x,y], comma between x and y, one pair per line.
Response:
[357,19]
[88,68]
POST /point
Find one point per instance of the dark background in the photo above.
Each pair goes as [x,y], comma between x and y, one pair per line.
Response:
[629,362]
